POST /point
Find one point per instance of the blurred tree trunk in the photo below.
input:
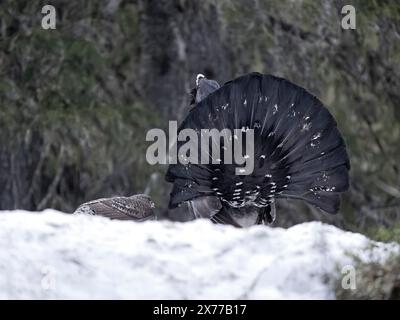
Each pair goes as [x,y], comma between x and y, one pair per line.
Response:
[179,39]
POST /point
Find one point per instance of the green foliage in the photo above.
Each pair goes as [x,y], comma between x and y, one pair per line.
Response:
[374,281]
[391,234]
[62,91]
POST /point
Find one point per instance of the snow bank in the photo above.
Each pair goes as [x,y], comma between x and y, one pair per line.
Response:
[59,256]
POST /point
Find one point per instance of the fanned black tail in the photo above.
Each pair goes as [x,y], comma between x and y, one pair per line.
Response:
[299,152]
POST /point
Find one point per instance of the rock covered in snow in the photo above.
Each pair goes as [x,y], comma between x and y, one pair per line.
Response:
[59,256]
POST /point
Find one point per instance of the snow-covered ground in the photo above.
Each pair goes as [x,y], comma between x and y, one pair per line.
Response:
[60,256]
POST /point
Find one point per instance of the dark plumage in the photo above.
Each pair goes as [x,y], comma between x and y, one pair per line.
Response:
[299,152]
[138,207]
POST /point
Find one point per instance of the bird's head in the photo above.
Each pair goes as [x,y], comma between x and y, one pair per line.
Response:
[203,88]
[145,199]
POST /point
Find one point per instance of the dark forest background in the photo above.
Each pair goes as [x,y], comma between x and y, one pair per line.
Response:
[76,102]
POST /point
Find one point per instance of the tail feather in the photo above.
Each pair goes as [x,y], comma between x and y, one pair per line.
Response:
[299,151]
